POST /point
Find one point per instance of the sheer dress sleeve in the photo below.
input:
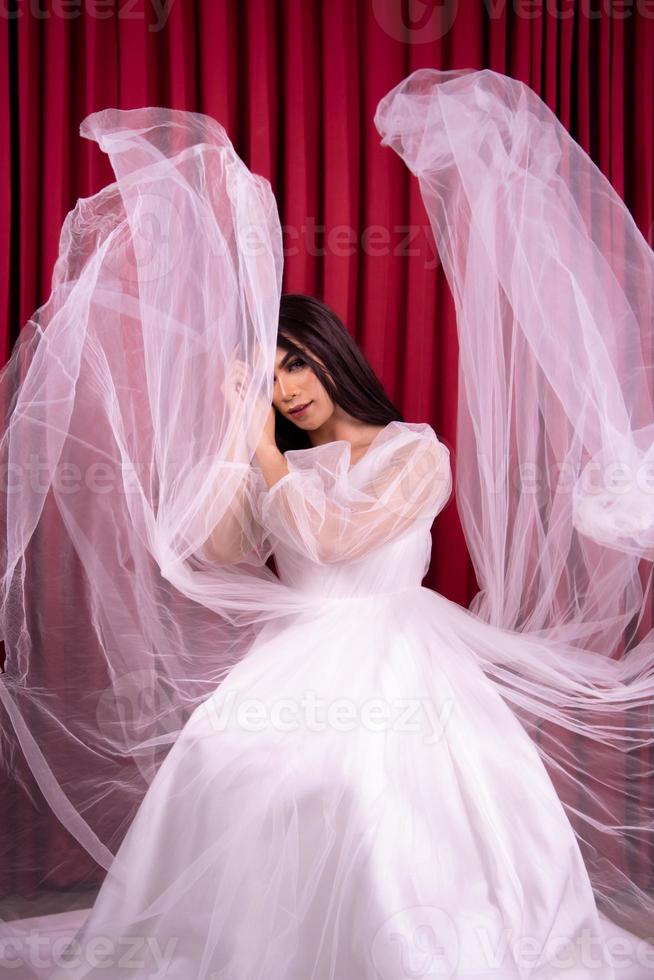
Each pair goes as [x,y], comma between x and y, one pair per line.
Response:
[329,514]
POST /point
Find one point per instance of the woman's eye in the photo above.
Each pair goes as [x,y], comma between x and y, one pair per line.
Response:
[298,362]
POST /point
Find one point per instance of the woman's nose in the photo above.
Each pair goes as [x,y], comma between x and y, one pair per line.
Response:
[285,391]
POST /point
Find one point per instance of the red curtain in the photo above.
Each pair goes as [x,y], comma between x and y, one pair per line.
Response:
[296,83]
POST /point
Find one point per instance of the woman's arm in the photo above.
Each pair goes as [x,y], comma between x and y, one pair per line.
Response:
[238,535]
[234,536]
[272,462]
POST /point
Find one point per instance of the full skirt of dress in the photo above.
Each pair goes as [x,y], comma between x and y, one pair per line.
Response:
[354,802]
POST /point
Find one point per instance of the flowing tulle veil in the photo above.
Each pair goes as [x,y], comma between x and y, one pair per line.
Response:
[552,283]
[120,456]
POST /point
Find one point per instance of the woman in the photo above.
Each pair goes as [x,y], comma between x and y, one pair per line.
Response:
[339,776]
[346,788]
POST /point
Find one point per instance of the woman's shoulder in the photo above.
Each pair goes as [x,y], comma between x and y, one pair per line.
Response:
[408,433]
[388,444]
[403,443]
[403,430]
[413,428]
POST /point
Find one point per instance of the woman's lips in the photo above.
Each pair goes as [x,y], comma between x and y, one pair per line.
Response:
[299,411]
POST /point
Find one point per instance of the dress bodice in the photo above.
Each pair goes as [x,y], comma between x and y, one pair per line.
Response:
[400,564]
[338,530]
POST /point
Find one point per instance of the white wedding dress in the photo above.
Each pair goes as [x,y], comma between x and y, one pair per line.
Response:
[355,801]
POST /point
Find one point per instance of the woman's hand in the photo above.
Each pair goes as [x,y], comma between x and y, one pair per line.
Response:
[237,389]
[235,386]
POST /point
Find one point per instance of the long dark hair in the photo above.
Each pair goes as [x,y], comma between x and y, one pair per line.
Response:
[353,384]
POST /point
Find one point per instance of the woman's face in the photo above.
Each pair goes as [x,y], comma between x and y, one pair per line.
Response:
[295,385]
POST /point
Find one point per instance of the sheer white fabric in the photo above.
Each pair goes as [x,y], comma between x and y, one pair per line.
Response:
[139,527]
[553,285]
[121,456]
[323,514]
